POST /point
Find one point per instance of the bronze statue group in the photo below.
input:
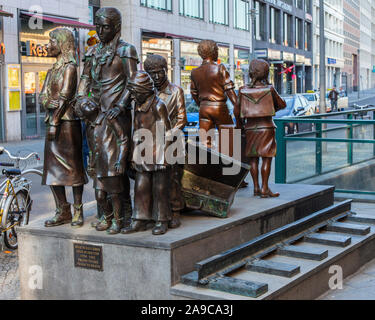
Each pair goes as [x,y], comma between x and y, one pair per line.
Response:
[110,87]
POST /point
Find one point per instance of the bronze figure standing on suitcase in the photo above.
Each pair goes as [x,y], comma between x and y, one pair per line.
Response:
[63,161]
[173,96]
[257,103]
[210,87]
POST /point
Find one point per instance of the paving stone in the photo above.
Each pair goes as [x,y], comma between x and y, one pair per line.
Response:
[328,239]
[349,228]
[303,252]
[275,268]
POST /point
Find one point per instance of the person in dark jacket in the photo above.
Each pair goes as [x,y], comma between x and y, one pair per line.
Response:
[333,96]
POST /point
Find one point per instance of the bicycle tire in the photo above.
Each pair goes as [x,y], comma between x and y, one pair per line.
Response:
[11,214]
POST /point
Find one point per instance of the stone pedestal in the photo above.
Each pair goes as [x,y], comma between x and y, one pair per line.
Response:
[143,266]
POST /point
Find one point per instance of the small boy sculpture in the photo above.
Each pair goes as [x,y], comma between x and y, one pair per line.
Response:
[152,181]
[110,186]
[257,103]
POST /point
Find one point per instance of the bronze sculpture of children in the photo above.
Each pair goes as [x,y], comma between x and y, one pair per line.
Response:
[257,103]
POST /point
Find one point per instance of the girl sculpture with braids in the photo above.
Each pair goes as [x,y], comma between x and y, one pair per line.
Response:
[257,103]
[63,163]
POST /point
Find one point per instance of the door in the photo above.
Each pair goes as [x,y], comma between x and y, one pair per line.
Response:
[33,113]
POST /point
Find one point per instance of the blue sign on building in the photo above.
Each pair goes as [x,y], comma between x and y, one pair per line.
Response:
[331,61]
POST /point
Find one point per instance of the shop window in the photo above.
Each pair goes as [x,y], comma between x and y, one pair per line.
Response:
[260,20]
[219,11]
[241,64]
[190,60]
[308,36]
[158,4]
[308,6]
[241,16]
[192,8]
[287,37]
[299,34]
[274,25]
[299,4]
[162,47]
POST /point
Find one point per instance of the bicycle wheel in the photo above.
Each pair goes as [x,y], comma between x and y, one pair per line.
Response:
[15,215]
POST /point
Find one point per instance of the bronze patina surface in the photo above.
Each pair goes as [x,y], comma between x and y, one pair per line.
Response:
[258,102]
[151,190]
[108,67]
[210,87]
[173,96]
[63,166]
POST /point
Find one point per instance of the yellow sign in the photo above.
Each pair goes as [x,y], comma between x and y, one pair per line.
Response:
[189,68]
[14,79]
[14,100]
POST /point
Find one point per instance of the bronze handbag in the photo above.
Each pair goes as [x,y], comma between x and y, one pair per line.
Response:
[256,102]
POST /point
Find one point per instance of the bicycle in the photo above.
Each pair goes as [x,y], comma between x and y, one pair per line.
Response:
[15,202]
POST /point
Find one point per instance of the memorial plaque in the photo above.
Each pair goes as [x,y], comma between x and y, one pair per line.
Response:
[88,256]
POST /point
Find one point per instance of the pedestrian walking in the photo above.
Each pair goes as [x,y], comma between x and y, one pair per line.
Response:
[333,97]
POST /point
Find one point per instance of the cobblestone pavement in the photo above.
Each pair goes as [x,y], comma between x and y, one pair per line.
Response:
[9,278]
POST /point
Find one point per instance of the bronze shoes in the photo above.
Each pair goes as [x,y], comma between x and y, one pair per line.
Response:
[175,222]
[105,224]
[160,228]
[135,226]
[78,216]
[63,215]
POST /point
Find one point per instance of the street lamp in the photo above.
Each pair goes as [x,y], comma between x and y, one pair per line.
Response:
[322,57]
[252,15]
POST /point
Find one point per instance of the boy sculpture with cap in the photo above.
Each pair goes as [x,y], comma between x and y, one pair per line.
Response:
[152,180]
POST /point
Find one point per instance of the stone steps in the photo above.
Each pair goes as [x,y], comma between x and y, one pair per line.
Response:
[296,267]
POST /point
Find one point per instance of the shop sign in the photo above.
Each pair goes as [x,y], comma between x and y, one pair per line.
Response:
[287,56]
[308,17]
[261,53]
[281,4]
[192,61]
[34,49]
[274,54]
[308,62]
[331,61]
[14,87]
[242,54]
[300,59]
[2,48]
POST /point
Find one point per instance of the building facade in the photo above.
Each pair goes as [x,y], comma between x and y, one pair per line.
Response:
[283,32]
[25,62]
[173,28]
[334,42]
[351,44]
[365,47]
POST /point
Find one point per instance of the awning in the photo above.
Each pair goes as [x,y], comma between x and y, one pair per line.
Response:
[6,14]
[61,21]
[166,35]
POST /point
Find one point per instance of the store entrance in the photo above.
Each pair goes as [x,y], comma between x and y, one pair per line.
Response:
[33,113]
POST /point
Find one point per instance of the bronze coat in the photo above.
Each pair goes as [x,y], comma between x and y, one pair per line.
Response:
[174,99]
[257,106]
[209,82]
[105,78]
[63,163]
[147,116]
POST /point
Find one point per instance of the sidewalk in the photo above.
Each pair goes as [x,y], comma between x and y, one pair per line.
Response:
[363,95]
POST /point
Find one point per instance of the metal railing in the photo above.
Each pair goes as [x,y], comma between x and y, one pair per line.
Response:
[322,126]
